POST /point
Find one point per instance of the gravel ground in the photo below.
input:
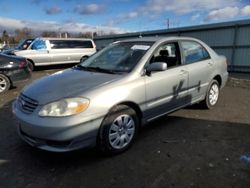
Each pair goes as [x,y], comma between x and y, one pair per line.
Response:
[189,148]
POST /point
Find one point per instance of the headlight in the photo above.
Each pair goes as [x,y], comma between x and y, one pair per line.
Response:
[65,107]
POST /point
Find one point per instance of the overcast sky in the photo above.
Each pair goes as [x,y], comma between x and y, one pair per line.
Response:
[117,15]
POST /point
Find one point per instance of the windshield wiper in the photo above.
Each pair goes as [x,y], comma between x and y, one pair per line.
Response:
[83,68]
[95,69]
[98,69]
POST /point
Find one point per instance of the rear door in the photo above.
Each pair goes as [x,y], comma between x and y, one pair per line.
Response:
[70,51]
[60,52]
[200,67]
[166,90]
[81,48]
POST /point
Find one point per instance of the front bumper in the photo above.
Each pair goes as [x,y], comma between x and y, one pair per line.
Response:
[57,134]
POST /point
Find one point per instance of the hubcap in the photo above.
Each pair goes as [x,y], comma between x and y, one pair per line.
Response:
[121,131]
[213,94]
[3,84]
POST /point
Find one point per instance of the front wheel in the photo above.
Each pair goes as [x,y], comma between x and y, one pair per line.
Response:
[30,65]
[118,130]
[83,59]
[212,95]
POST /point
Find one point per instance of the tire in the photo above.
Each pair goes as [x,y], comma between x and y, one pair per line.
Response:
[30,65]
[4,83]
[83,59]
[118,130]
[212,95]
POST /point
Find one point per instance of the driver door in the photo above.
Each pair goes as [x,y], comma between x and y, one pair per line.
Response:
[39,52]
[166,90]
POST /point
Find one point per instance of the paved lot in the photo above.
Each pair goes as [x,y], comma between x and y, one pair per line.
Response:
[189,148]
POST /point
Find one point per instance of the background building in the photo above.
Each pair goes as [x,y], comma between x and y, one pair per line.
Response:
[231,39]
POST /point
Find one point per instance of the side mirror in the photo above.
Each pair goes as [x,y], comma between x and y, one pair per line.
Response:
[156,67]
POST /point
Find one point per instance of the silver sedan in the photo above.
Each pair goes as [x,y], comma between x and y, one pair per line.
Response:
[106,98]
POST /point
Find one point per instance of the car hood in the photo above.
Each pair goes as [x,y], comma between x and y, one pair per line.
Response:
[9,51]
[67,83]
[6,59]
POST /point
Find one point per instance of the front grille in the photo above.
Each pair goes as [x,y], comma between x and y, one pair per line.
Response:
[32,140]
[27,104]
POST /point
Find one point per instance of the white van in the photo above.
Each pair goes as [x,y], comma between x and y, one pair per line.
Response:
[51,51]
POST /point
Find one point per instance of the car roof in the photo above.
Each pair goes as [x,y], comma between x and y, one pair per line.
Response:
[54,38]
[158,39]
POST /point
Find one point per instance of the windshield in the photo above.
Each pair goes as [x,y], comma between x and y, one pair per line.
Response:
[118,57]
[24,44]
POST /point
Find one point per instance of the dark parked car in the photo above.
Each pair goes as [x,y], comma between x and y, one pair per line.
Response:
[13,70]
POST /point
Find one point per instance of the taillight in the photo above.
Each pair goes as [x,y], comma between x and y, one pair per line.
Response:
[23,64]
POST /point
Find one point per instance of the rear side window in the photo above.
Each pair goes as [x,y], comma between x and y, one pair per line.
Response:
[81,44]
[194,52]
[60,44]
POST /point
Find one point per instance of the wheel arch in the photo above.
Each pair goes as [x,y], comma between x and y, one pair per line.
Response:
[218,79]
[135,107]
[32,67]
[84,57]
[30,60]
[131,105]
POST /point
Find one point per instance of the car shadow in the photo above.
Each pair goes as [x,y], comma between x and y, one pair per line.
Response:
[171,146]
[87,154]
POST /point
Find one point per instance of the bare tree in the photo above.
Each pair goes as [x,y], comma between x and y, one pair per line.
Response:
[5,36]
[24,33]
[49,34]
[85,35]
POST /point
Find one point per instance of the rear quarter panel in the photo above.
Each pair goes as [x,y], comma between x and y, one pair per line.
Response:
[220,65]
[221,69]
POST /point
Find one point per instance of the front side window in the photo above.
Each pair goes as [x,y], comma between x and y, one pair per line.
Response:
[167,53]
[118,57]
[194,52]
[39,44]
[24,44]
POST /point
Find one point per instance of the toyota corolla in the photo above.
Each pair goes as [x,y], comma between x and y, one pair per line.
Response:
[106,98]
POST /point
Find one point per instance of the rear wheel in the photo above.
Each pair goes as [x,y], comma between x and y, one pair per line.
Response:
[4,83]
[83,59]
[118,130]
[212,95]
